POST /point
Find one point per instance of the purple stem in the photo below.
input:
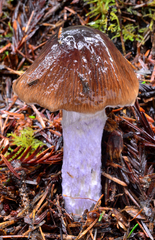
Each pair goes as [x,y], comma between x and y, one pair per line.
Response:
[81,170]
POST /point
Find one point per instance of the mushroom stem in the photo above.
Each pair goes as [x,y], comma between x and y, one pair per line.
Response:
[81,170]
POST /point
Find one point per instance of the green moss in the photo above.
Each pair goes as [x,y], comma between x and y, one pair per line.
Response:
[100,7]
[26,139]
[105,17]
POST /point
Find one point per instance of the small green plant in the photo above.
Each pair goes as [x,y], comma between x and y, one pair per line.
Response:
[116,18]
[128,32]
[101,216]
[132,230]
[25,139]
[6,53]
[101,8]
[10,1]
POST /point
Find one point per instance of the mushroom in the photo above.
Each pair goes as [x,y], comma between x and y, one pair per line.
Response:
[81,72]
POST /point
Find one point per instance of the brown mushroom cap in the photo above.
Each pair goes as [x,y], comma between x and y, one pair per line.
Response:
[80,71]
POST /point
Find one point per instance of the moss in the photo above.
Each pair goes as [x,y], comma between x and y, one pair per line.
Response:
[115,18]
[25,139]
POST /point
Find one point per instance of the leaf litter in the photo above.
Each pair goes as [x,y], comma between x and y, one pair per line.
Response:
[31,203]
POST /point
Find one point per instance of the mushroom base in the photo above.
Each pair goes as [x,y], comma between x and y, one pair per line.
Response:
[81,170]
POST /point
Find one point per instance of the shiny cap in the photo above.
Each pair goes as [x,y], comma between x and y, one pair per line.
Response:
[78,70]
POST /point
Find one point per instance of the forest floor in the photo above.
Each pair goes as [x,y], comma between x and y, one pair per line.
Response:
[31,140]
